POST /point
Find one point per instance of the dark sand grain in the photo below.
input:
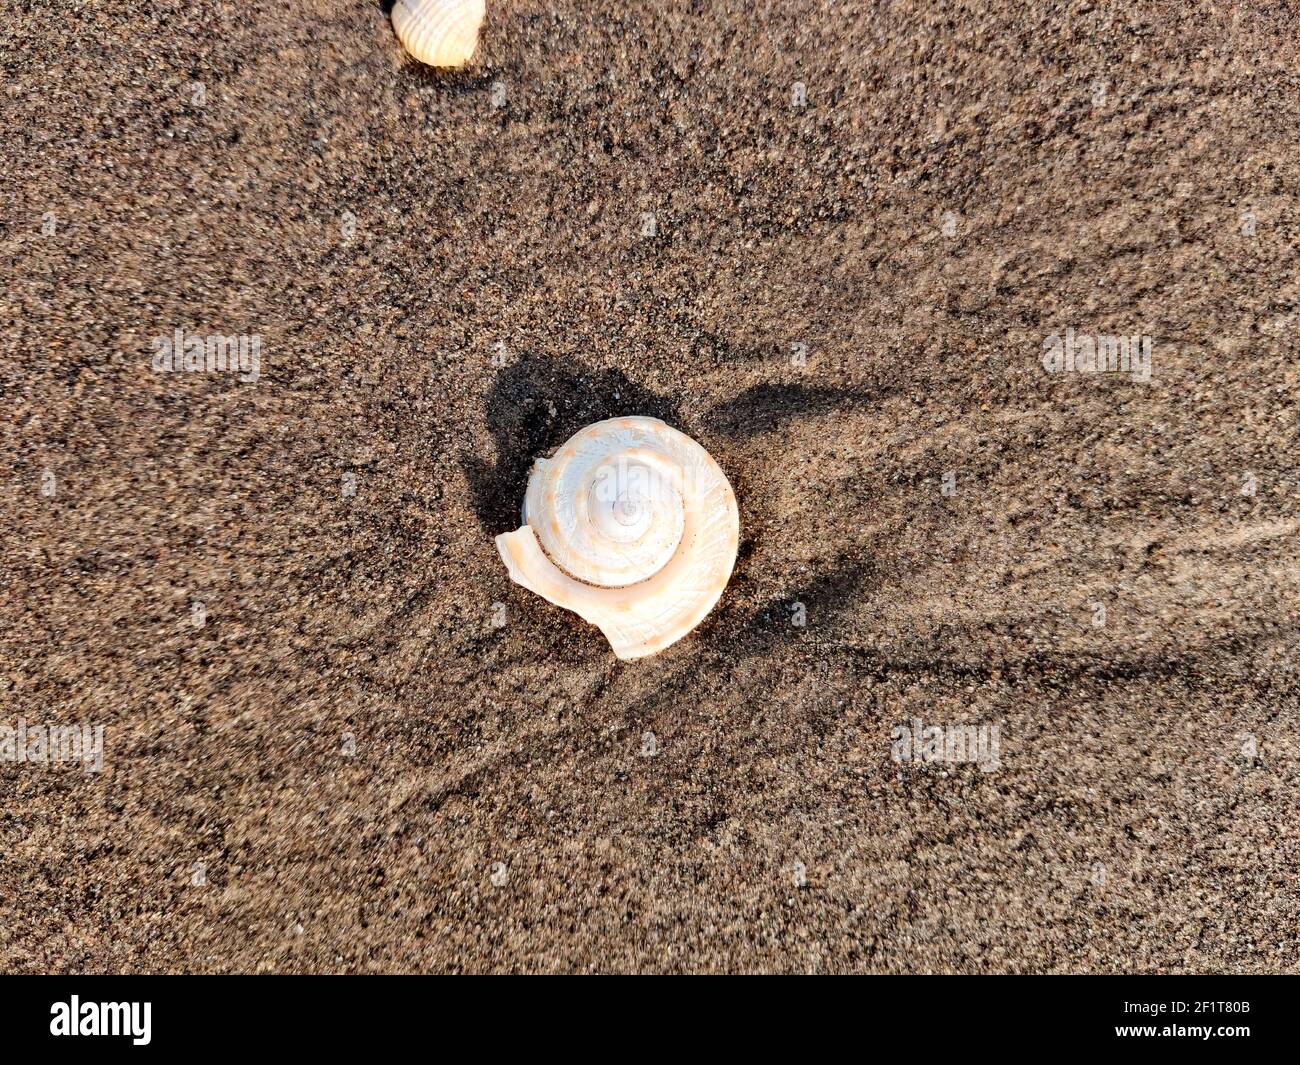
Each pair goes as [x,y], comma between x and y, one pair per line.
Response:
[1128,827]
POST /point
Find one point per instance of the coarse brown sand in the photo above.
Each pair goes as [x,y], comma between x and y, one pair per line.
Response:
[338,762]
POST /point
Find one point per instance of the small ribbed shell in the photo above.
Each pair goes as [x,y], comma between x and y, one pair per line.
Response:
[632,526]
[442,33]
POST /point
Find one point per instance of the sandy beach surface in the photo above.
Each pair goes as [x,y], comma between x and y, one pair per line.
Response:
[830,241]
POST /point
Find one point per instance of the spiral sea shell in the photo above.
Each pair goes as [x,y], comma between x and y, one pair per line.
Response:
[632,526]
[442,33]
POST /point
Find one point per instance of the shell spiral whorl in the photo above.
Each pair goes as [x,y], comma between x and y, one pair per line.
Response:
[631,525]
[626,516]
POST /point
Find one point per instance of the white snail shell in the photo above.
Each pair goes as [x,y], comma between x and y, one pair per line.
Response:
[442,33]
[631,525]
